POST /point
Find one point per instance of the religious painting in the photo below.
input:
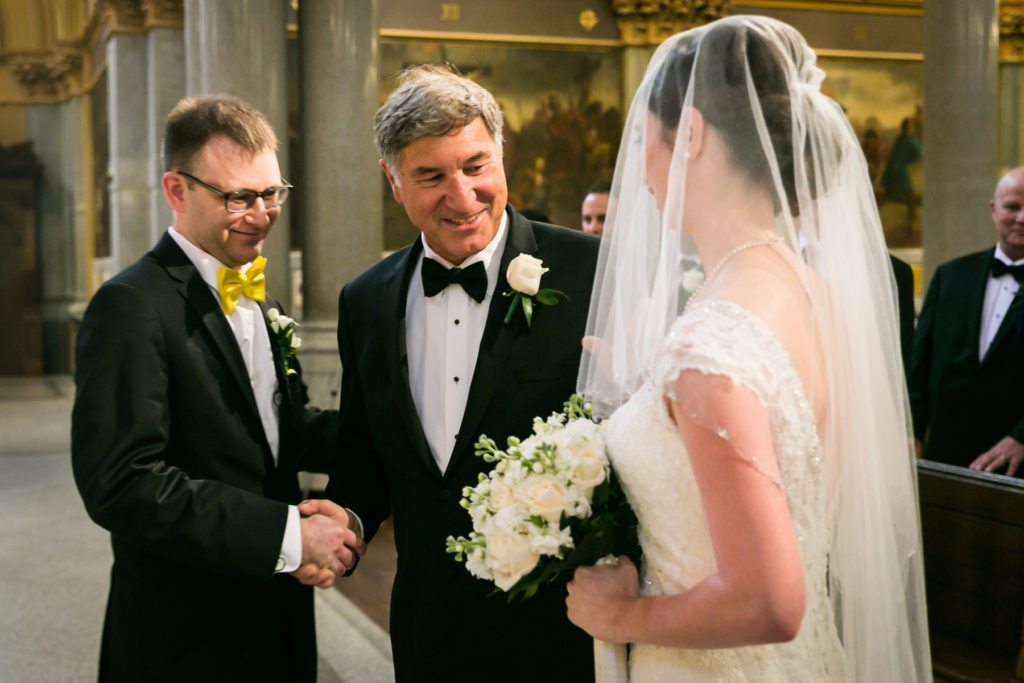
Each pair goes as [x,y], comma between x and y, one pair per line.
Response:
[563,118]
[889,129]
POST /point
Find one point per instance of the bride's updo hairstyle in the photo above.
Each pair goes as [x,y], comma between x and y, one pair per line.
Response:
[784,77]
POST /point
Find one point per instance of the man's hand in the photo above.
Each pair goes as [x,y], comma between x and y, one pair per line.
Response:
[317,569]
[1007,453]
[918,448]
[329,546]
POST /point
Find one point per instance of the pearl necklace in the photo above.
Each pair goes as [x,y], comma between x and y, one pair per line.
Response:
[721,264]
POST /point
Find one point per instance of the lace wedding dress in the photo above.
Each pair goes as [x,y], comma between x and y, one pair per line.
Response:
[721,338]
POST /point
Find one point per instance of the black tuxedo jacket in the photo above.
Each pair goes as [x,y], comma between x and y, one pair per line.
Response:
[904,277]
[447,625]
[170,456]
[963,404]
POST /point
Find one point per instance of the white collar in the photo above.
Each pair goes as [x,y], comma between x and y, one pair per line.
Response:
[207,265]
[1001,255]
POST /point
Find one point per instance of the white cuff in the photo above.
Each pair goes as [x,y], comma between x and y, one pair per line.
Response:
[353,515]
[291,545]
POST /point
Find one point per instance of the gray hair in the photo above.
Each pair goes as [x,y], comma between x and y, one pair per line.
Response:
[432,99]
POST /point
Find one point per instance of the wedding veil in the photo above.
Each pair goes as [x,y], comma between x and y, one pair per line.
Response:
[753,82]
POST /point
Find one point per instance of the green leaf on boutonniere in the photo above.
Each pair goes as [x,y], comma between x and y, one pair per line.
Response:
[550,297]
[547,297]
[527,309]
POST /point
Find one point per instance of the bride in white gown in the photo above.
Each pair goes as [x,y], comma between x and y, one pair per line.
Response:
[744,343]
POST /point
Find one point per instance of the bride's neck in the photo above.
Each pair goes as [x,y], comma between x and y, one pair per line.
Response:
[721,230]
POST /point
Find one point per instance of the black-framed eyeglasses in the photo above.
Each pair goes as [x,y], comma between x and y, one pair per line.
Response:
[241,201]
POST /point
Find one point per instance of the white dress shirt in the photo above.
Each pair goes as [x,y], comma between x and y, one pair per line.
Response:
[442,339]
[999,294]
[250,330]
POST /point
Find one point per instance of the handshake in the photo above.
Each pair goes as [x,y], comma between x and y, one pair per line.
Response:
[331,543]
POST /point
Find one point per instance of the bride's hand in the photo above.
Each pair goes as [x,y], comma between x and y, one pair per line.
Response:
[600,596]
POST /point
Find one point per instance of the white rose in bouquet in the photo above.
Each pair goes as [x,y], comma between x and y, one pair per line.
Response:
[544,495]
[510,556]
[502,495]
[588,468]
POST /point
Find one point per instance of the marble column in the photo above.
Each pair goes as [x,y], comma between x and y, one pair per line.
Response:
[1011,110]
[635,59]
[56,133]
[341,189]
[239,48]
[165,86]
[961,127]
[130,232]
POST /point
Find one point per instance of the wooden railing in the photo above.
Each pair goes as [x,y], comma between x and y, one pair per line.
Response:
[973,529]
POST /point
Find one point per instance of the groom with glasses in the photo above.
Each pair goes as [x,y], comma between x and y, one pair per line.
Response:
[190,425]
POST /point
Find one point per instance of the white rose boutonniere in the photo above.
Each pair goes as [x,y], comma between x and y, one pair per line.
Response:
[288,343]
[692,280]
[523,275]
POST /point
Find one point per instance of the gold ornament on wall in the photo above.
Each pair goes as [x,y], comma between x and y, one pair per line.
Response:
[1011,31]
[649,22]
[588,19]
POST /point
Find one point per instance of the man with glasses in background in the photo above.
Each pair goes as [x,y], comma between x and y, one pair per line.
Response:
[190,424]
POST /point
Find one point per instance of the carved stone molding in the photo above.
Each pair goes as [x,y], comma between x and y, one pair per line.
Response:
[164,12]
[136,15]
[120,14]
[649,22]
[1011,30]
[51,74]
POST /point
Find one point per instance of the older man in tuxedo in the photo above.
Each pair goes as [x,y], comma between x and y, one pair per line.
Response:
[968,360]
[190,424]
[431,361]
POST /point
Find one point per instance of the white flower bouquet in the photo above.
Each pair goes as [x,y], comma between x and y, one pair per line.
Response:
[550,504]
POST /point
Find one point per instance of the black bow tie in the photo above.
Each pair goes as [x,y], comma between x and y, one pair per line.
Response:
[472,278]
[1000,268]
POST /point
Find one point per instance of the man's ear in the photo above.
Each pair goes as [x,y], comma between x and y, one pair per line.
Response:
[396,189]
[174,191]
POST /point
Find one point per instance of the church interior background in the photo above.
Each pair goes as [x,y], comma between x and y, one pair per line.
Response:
[933,88]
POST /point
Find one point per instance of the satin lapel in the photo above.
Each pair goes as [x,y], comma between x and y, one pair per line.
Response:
[284,397]
[495,345]
[974,293]
[204,304]
[396,358]
[1012,325]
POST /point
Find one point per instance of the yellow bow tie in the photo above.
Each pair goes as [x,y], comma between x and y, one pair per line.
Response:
[232,284]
